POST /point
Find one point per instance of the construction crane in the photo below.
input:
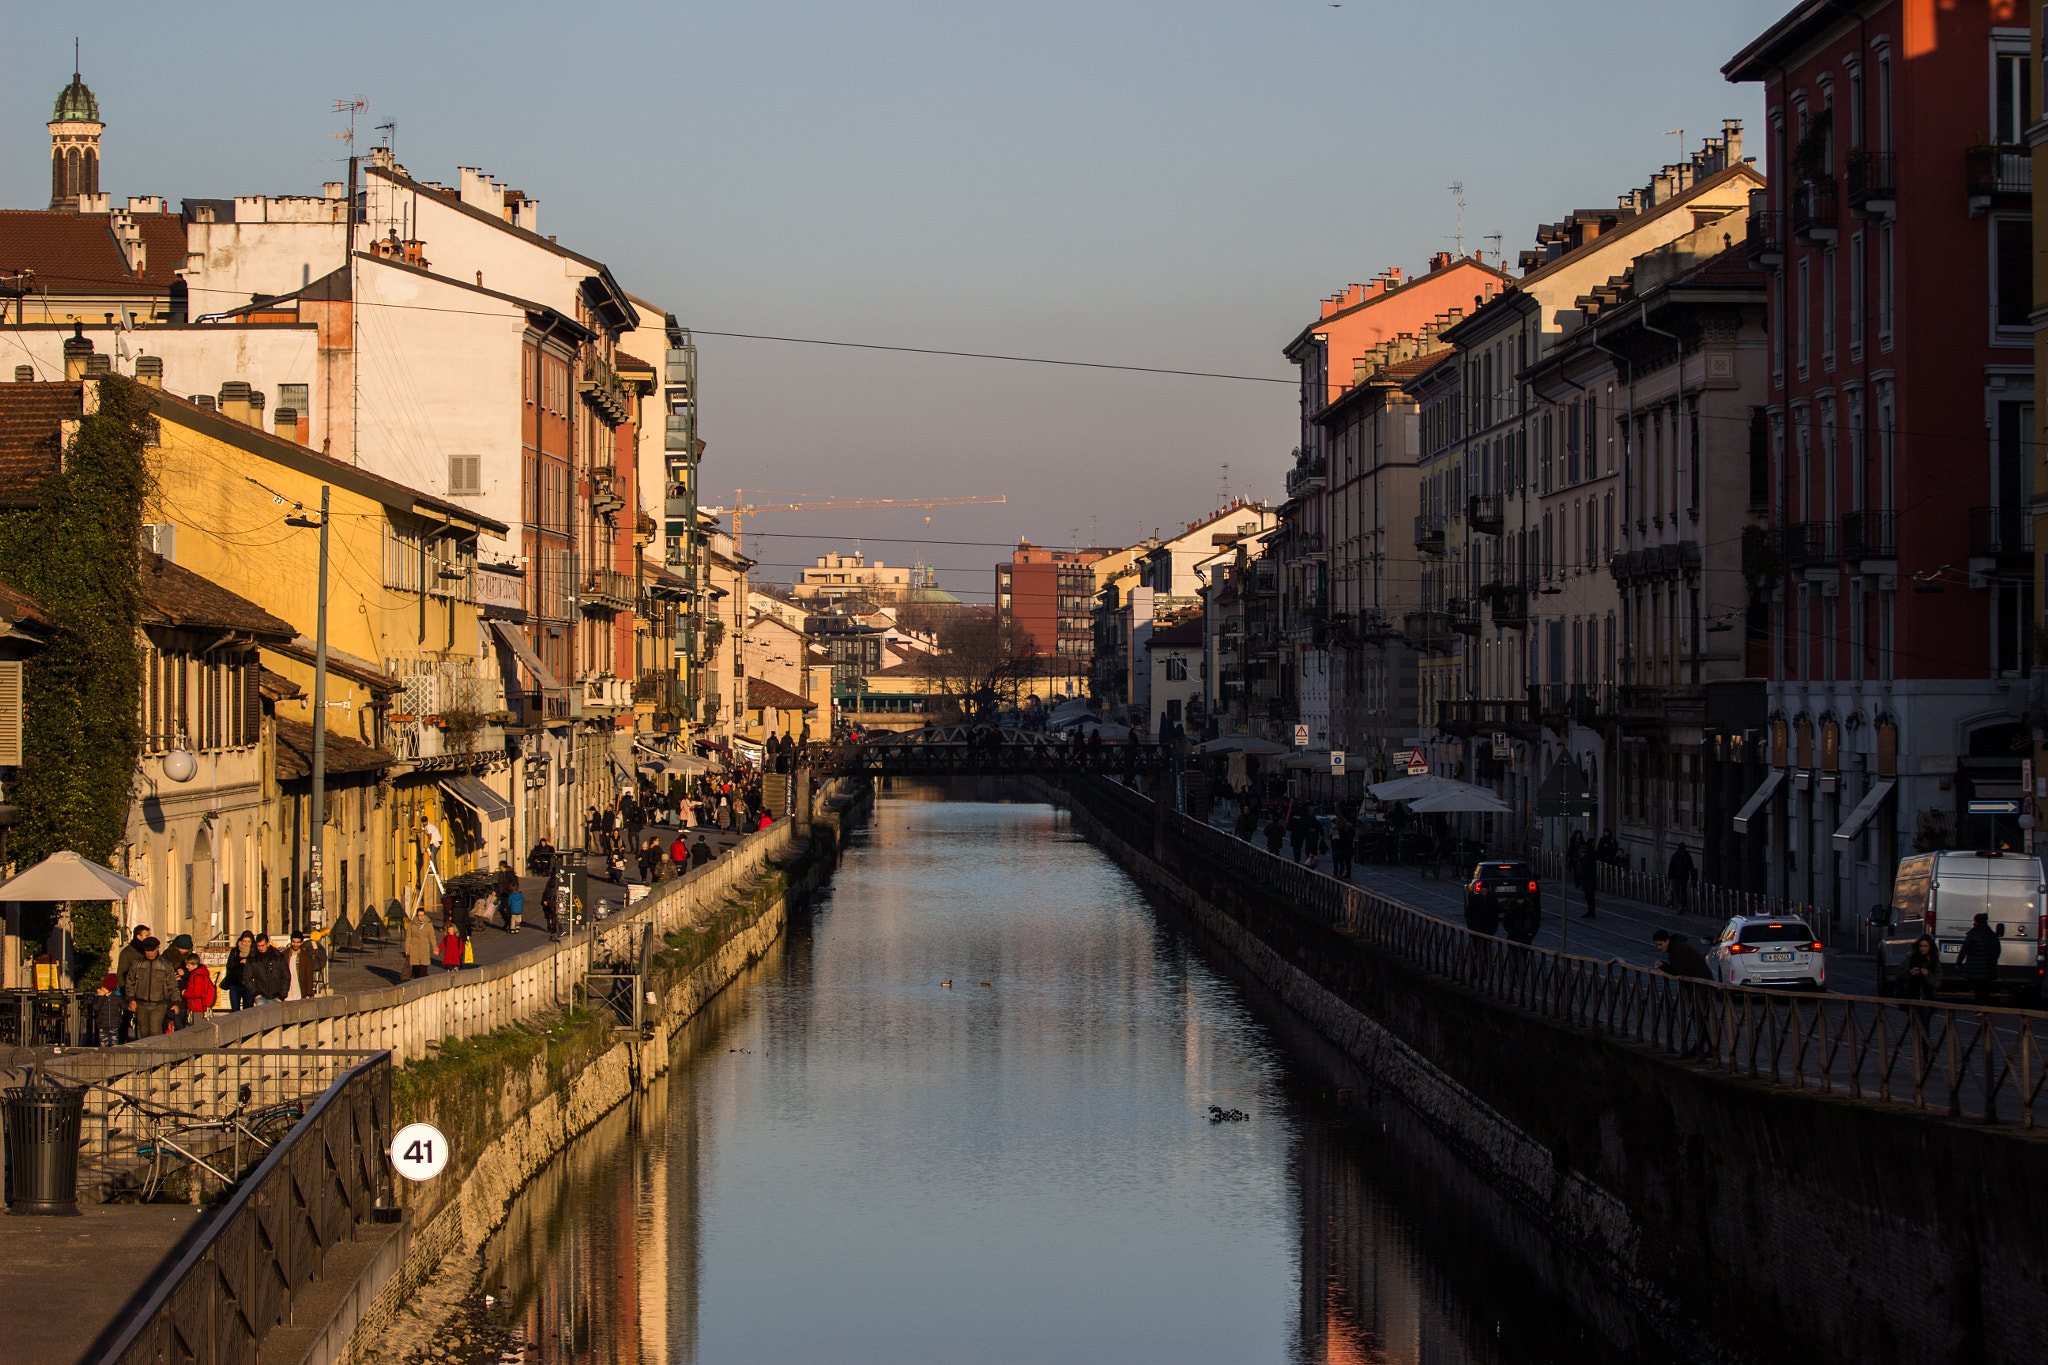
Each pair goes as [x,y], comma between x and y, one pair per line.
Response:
[741,508]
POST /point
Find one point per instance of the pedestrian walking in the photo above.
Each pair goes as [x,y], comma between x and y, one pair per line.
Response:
[131,953]
[1681,872]
[303,963]
[419,943]
[510,899]
[150,986]
[1977,963]
[451,948]
[1343,844]
[679,854]
[235,976]
[1276,834]
[180,956]
[549,895]
[700,852]
[1588,872]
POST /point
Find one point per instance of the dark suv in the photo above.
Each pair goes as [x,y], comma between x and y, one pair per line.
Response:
[1503,893]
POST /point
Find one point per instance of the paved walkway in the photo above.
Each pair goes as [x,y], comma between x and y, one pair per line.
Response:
[370,968]
[1621,930]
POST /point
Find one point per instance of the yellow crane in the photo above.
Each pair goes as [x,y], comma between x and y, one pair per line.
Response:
[741,508]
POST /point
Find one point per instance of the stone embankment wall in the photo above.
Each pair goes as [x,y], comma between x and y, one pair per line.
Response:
[512,1100]
[1751,1222]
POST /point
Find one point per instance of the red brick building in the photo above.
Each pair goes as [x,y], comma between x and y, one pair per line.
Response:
[1050,595]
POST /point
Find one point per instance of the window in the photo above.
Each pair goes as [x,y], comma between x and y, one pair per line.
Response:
[2012,277]
[1827,309]
[1176,668]
[1885,277]
[297,397]
[1804,330]
[2010,98]
[465,476]
[1884,101]
[1856,283]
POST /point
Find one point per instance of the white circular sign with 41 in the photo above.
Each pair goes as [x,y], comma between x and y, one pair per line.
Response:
[419,1151]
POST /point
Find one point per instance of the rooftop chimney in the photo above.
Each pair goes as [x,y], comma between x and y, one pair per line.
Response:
[1731,133]
[97,365]
[256,402]
[76,350]
[287,421]
[234,400]
[203,400]
[1440,261]
[149,371]
[24,374]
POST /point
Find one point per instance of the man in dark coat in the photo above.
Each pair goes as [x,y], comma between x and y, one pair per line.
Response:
[1683,961]
[1680,957]
[150,985]
[1680,872]
[1977,963]
[700,852]
[131,953]
[269,975]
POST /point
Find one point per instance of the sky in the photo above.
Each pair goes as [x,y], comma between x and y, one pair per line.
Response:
[1167,186]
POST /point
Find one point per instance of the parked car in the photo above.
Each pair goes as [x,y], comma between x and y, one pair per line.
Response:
[1941,894]
[1503,893]
[1775,954]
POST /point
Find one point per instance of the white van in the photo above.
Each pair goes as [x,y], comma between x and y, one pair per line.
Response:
[1941,894]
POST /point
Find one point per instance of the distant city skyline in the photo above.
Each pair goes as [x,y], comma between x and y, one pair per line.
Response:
[1164,188]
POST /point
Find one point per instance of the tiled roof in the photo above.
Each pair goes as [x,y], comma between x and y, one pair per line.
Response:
[278,687]
[622,361]
[30,418]
[301,650]
[1729,268]
[1421,363]
[178,597]
[16,605]
[765,695]
[75,253]
[344,755]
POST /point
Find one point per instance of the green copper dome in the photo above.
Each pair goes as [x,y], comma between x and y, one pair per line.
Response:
[75,104]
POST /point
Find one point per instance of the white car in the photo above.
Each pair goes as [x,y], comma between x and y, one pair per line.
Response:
[1777,954]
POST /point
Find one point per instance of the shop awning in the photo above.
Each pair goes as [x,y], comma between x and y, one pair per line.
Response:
[1757,799]
[683,764]
[515,640]
[470,792]
[1866,811]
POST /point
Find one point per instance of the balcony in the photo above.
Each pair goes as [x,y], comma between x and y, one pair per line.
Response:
[1429,534]
[1869,535]
[681,434]
[607,696]
[1810,545]
[1766,239]
[1464,614]
[1813,212]
[1585,703]
[542,708]
[1474,717]
[609,590]
[1374,624]
[1511,607]
[1485,513]
[1428,630]
[1998,177]
[602,388]
[1306,476]
[1873,184]
[2001,535]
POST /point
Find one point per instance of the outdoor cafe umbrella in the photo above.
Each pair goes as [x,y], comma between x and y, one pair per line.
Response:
[1417,787]
[1241,744]
[1472,799]
[66,876]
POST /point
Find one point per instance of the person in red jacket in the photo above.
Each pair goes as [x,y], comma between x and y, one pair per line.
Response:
[199,991]
[451,948]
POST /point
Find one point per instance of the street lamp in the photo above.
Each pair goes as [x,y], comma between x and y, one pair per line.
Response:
[316,842]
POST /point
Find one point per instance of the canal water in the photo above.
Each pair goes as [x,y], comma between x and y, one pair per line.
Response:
[854,1161]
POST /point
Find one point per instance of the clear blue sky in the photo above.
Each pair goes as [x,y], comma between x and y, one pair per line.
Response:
[1149,184]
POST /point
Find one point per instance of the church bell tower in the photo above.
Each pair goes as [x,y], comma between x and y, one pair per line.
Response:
[75,130]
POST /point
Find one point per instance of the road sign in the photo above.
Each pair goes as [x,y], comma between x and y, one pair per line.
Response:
[1301,736]
[419,1151]
[1565,790]
[1418,766]
[1994,808]
[1500,745]
[1337,762]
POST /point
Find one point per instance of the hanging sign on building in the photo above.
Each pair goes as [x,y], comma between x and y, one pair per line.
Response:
[1500,745]
[1301,736]
[1336,763]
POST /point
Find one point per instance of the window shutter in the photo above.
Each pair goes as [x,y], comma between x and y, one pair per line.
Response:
[252,702]
[10,714]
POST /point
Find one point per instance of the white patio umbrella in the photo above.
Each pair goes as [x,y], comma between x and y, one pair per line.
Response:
[1474,799]
[1414,788]
[66,876]
[1241,744]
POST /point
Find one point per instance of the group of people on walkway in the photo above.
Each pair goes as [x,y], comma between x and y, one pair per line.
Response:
[155,989]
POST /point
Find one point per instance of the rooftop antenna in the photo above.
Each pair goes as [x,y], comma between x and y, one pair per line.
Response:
[1678,133]
[1458,194]
[1498,258]
[74,57]
[390,131]
[1225,476]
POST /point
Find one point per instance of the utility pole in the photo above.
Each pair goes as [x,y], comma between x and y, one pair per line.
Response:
[317,838]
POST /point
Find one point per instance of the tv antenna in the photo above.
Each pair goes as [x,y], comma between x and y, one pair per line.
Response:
[1678,133]
[1224,477]
[390,131]
[1458,195]
[1498,258]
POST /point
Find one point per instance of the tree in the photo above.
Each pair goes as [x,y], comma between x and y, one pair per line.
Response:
[76,551]
[980,666]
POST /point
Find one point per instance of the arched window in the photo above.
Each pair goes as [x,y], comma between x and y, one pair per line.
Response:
[91,183]
[71,181]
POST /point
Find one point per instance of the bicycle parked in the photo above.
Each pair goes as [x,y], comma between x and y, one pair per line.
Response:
[174,1139]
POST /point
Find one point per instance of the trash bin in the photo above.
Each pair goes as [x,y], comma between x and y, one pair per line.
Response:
[43,1123]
